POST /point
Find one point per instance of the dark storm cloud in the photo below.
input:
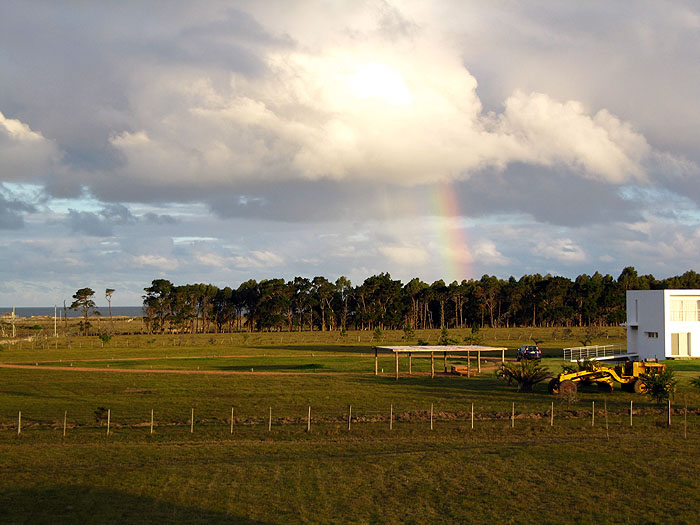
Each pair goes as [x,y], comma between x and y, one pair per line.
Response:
[12,212]
[89,223]
[159,219]
[549,195]
[103,222]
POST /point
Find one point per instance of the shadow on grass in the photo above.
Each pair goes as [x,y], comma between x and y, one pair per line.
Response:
[448,384]
[271,368]
[330,348]
[80,504]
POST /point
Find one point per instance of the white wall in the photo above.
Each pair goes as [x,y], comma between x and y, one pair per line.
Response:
[649,315]
[645,315]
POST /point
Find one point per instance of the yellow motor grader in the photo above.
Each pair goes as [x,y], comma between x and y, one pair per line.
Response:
[627,374]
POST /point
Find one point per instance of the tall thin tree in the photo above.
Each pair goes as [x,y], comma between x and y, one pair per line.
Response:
[108,296]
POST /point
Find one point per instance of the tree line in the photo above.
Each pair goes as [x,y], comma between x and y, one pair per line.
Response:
[381,302]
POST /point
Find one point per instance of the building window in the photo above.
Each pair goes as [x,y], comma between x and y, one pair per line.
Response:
[652,335]
[685,310]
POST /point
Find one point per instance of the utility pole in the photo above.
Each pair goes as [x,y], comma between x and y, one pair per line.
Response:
[13,322]
[55,322]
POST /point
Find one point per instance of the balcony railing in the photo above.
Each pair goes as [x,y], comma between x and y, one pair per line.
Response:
[684,315]
[594,352]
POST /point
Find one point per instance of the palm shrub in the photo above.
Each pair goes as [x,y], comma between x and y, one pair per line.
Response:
[695,382]
[526,374]
[659,385]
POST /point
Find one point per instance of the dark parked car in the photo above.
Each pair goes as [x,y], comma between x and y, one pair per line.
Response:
[529,352]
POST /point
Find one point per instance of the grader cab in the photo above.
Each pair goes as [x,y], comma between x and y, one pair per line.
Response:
[627,374]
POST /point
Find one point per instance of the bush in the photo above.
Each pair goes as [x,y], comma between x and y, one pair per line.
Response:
[474,338]
[526,374]
[377,335]
[695,383]
[659,385]
[100,415]
[105,338]
[446,340]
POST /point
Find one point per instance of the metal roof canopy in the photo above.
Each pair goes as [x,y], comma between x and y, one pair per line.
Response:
[410,350]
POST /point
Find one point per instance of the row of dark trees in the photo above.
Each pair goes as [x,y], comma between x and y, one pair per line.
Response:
[384,303]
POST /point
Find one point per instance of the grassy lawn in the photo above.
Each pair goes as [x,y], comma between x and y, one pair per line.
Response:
[389,467]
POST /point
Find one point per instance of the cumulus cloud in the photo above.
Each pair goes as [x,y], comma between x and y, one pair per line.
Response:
[487,253]
[562,250]
[379,95]
[405,255]
[25,155]
[404,117]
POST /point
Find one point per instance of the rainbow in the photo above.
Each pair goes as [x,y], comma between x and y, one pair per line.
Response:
[454,251]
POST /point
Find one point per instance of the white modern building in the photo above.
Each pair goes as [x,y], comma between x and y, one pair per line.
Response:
[663,324]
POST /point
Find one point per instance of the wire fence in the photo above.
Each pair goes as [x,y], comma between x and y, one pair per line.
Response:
[84,421]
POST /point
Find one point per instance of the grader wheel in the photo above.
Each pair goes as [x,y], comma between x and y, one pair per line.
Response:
[639,387]
[567,388]
[553,386]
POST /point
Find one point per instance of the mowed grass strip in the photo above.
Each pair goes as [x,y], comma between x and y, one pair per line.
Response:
[419,478]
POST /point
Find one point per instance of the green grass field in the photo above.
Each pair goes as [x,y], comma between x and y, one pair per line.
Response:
[389,467]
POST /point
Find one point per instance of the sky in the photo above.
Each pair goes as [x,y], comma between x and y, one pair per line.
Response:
[219,142]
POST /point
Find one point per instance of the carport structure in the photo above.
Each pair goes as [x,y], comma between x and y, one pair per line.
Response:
[424,351]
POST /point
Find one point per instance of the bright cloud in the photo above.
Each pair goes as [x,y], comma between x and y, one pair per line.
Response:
[25,155]
[562,250]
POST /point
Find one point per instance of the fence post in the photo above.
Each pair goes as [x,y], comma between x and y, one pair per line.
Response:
[109,419]
[349,416]
[431,416]
[391,417]
[151,421]
[551,416]
[308,420]
[512,417]
[231,420]
[432,365]
[192,422]
[269,421]
[397,364]
[472,416]
[65,416]
[685,418]
[19,422]
[669,411]
[631,401]
[593,415]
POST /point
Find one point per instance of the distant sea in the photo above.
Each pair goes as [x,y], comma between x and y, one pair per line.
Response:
[32,311]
